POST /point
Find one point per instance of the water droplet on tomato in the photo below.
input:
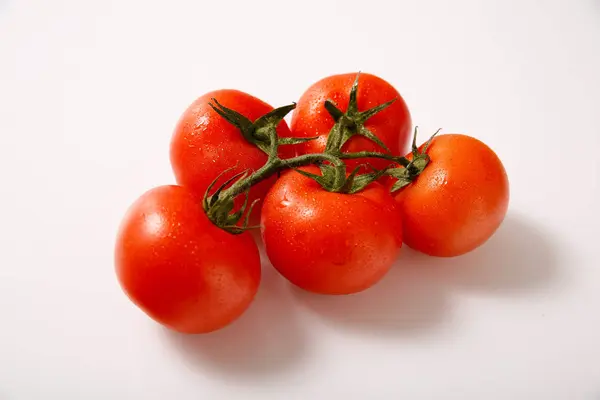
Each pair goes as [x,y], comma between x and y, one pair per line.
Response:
[285,202]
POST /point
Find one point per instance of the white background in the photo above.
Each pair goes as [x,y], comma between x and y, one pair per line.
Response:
[89,94]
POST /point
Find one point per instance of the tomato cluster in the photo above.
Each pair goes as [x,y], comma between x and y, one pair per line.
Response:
[333,195]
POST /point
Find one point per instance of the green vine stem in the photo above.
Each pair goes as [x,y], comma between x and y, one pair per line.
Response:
[262,133]
[403,161]
[406,174]
[275,165]
[219,206]
[352,122]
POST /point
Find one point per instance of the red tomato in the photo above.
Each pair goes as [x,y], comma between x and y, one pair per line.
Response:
[204,144]
[458,201]
[179,268]
[392,125]
[328,242]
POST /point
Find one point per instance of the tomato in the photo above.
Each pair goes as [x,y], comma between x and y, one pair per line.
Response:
[458,201]
[204,144]
[391,125]
[327,242]
[179,268]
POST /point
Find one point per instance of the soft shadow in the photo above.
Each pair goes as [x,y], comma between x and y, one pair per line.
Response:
[519,258]
[408,301]
[266,340]
[414,298]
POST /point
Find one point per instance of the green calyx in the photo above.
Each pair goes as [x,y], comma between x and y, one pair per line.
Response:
[406,174]
[352,122]
[333,181]
[348,124]
[262,132]
[219,209]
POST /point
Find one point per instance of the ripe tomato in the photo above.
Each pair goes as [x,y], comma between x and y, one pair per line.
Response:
[179,268]
[326,242]
[204,144]
[391,125]
[458,201]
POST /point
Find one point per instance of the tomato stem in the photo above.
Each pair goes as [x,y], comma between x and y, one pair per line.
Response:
[219,206]
[263,133]
[406,174]
[373,154]
[275,165]
[351,123]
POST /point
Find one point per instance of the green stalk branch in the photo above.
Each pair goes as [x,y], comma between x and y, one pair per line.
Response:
[403,161]
[262,133]
[275,165]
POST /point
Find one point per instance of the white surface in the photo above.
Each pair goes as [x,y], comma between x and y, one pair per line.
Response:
[89,94]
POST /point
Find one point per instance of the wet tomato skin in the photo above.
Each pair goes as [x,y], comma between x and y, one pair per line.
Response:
[326,242]
[179,268]
[458,201]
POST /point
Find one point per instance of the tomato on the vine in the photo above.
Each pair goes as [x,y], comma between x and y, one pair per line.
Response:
[391,125]
[457,201]
[326,242]
[204,144]
[181,269]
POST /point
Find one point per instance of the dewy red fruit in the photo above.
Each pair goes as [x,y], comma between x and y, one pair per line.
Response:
[181,269]
[330,243]
[458,200]
[392,125]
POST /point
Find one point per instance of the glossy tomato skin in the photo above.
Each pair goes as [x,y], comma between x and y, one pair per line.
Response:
[392,125]
[179,268]
[204,144]
[459,200]
[330,243]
